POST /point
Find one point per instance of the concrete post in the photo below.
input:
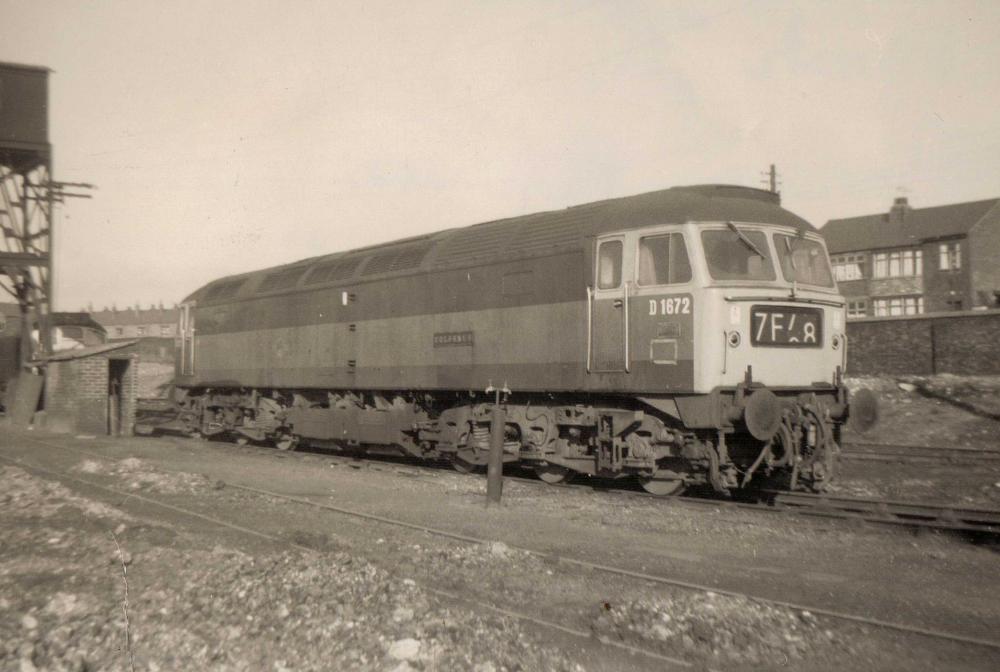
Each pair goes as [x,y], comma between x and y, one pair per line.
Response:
[494,469]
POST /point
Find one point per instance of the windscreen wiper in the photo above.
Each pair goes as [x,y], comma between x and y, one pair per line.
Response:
[791,260]
[745,240]
[791,255]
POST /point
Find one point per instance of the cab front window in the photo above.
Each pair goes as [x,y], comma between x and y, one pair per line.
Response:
[803,260]
[663,260]
[737,254]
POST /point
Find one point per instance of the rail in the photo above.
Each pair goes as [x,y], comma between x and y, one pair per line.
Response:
[978,521]
[888,452]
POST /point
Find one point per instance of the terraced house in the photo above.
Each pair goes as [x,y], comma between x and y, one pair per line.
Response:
[910,261]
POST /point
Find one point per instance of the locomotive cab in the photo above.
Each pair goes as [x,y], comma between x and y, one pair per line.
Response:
[746,294]
[733,329]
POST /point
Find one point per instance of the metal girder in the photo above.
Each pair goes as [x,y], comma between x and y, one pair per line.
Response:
[21,259]
[26,198]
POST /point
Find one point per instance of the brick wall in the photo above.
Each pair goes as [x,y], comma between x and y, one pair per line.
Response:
[76,393]
[961,343]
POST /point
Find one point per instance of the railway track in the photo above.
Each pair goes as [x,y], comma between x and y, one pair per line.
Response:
[886,452]
[471,539]
[976,523]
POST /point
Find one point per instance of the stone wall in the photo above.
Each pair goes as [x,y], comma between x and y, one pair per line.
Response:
[960,343]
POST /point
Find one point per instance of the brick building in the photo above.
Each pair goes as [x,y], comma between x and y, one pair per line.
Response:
[910,261]
[92,390]
[155,328]
[133,323]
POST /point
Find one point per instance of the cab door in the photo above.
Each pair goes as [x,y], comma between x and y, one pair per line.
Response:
[187,339]
[609,306]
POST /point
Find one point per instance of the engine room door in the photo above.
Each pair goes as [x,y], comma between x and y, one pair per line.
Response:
[609,305]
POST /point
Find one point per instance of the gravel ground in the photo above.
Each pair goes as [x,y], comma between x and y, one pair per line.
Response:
[910,418]
[720,628]
[907,417]
[366,596]
[62,593]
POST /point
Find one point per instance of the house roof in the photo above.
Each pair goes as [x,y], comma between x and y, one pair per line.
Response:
[870,232]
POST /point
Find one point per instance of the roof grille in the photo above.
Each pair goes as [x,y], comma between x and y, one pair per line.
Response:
[331,271]
[284,279]
[397,260]
[224,290]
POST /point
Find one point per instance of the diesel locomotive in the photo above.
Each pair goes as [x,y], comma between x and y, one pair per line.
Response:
[687,336]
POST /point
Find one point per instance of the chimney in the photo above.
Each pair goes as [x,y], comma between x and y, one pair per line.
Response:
[897,213]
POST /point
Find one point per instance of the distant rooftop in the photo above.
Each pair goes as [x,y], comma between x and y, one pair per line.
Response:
[115,317]
[903,226]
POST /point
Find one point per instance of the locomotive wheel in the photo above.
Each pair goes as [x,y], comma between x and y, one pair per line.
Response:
[553,473]
[662,487]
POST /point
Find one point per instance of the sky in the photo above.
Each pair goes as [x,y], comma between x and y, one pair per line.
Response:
[227,136]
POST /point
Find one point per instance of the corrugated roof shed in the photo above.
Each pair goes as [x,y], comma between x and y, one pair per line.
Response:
[872,232]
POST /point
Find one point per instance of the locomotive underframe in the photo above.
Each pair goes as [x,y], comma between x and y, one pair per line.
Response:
[668,441]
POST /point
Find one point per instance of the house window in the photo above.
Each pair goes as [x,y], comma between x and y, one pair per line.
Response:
[857,308]
[165,330]
[140,331]
[898,264]
[119,331]
[849,267]
[899,305]
[949,257]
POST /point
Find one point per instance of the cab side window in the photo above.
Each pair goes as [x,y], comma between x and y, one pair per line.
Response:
[663,260]
[609,264]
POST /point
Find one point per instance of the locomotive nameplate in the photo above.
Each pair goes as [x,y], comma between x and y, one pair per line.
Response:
[786,326]
[453,338]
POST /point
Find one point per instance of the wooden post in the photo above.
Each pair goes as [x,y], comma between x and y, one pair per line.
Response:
[494,469]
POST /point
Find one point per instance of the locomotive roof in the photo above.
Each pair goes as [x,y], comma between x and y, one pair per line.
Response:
[515,237]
